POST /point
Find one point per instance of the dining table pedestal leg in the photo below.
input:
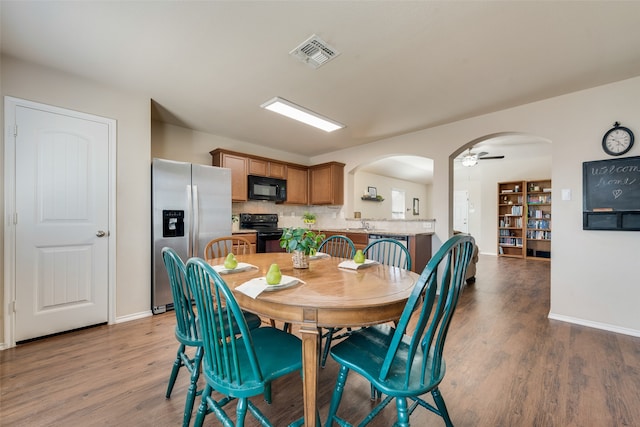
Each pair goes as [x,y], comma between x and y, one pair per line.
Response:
[310,334]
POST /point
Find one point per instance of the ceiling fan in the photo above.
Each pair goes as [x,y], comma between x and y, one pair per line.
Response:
[471,159]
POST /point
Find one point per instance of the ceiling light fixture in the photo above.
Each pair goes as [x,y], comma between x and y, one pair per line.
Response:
[469,160]
[301,114]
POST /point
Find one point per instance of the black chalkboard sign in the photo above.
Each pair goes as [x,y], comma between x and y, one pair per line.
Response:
[611,194]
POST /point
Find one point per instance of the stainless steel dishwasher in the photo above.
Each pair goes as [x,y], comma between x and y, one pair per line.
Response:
[403,240]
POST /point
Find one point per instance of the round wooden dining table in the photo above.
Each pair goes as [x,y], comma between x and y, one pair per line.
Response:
[326,296]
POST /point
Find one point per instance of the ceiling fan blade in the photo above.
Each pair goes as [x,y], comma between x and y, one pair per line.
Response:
[490,157]
[482,153]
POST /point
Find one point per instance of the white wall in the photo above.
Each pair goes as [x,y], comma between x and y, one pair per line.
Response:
[384,185]
[593,277]
[132,112]
[186,145]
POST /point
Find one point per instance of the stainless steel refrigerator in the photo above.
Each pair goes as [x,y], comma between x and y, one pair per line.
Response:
[191,204]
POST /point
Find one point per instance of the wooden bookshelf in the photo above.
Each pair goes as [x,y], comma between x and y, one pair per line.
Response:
[511,219]
[524,219]
[538,233]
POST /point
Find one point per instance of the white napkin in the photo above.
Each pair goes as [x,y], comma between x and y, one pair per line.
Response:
[242,266]
[352,265]
[255,287]
[319,255]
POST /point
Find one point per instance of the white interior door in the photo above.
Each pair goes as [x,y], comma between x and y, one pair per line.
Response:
[61,221]
[461,210]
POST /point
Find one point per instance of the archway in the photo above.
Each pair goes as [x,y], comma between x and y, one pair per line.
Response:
[526,157]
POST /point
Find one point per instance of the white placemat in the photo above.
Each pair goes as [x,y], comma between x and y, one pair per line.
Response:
[352,265]
[242,266]
[255,287]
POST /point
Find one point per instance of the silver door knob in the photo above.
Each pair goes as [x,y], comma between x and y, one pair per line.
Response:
[101,233]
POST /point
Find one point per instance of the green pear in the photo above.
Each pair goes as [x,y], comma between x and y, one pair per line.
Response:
[230,262]
[273,275]
[359,257]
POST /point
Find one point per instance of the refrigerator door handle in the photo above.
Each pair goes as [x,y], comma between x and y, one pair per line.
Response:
[189,215]
[196,221]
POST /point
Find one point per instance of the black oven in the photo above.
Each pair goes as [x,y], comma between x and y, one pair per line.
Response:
[267,232]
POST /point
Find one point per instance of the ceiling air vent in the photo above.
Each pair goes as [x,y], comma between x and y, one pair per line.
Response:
[314,51]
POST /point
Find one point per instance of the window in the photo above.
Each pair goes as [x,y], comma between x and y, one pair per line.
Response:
[397,204]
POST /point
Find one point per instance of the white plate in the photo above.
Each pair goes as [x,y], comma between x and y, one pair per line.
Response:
[242,266]
[285,282]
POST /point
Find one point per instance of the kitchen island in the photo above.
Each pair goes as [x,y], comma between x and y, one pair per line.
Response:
[418,244]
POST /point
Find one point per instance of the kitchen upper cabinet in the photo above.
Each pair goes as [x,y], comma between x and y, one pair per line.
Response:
[238,165]
[326,184]
[263,167]
[316,185]
[278,170]
[297,185]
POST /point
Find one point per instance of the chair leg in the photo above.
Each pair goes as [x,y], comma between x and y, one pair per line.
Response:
[193,387]
[267,393]
[177,364]
[403,412]
[327,347]
[202,409]
[375,393]
[437,397]
[241,411]
[337,395]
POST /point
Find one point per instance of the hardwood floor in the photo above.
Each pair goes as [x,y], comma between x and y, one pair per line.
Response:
[508,365]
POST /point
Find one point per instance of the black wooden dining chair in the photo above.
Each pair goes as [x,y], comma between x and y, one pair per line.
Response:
[406,363]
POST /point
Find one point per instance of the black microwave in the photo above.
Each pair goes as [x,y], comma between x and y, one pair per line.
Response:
[264,188]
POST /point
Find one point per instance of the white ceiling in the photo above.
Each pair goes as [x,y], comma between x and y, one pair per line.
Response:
[403,65]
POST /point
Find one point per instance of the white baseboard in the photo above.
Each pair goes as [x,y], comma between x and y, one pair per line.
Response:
[134,316]
[596,325]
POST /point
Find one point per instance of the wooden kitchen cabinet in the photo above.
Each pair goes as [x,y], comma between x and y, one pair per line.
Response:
[326,184]
[316,185]
[277,170]
[238,165]
[297,185]
[251,237]
[263,167]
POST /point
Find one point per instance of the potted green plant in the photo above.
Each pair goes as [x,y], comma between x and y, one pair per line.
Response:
[301,242]
[309,218]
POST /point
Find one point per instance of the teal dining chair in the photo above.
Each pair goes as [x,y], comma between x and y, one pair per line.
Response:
[186,331]
[338,246]
[342,247]
[407,362]
[385,251]
[389,252]
[238,366]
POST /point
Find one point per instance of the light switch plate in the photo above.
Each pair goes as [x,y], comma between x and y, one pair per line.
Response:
[566,194]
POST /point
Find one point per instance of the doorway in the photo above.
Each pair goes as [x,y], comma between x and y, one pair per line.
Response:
[60,236]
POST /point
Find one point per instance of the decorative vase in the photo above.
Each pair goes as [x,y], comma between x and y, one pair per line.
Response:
[300,259]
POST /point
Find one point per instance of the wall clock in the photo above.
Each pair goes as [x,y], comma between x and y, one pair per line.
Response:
[618,140]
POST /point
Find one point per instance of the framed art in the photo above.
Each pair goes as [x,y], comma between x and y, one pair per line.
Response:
[373,192]
[416,206]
